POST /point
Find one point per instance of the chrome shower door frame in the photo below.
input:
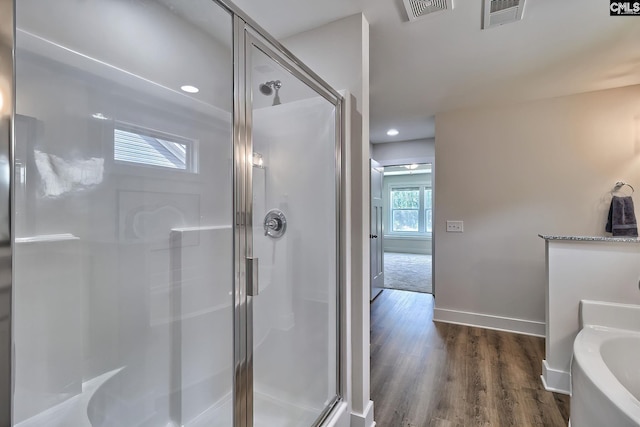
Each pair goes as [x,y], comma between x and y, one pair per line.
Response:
[247,35]
[7,114]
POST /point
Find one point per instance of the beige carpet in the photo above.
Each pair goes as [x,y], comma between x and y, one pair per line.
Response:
[407,272]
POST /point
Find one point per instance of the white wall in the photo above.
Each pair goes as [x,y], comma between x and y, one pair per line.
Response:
[339,53]
[403,152]
[511,172]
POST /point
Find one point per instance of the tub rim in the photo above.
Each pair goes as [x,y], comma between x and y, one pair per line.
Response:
[588,358]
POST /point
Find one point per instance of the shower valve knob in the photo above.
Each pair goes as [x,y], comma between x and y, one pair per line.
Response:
[275,223]
[272,225]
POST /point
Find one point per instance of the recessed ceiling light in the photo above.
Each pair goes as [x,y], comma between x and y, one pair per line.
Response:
[99,116]
[189,89]
[392,132]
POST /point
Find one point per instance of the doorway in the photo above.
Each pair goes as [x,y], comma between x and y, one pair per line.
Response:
[402,208]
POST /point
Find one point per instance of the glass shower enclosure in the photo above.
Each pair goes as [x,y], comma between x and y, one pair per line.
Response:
[175,185]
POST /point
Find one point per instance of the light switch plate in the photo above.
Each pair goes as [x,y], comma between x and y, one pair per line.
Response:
[455,226]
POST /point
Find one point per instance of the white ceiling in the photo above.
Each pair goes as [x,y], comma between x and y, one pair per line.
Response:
[446,62]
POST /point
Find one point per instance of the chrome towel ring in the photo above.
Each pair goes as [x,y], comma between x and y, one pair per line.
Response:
[621,184]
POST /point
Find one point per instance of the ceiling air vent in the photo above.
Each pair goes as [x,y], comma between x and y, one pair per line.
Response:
[500,12]
[417,9]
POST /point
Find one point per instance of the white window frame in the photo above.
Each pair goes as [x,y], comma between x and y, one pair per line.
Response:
[422,210]
[427,209]
[191,158]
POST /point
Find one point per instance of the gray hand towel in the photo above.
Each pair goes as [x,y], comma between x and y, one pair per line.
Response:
[622,218]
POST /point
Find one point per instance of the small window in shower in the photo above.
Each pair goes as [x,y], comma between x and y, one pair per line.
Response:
[145,147]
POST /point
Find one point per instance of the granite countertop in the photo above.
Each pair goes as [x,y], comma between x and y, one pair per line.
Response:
[592,238]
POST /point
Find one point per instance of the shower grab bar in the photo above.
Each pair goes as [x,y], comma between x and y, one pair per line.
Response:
[252,277]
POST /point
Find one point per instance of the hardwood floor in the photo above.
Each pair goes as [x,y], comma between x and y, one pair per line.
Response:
[426,374]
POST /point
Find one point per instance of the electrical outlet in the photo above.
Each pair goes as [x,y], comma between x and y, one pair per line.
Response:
[455,226]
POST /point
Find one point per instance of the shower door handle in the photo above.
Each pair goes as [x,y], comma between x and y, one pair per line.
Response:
[252,277]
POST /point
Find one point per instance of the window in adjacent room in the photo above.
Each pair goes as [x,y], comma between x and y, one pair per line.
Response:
[405,209]
[411,209]
[428,209]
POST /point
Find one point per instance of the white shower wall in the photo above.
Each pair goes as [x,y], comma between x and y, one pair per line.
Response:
[48,336]
[163,41]
[299,179]
[100,262]
[298,270]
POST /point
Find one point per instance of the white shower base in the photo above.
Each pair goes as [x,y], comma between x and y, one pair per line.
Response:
[73,412]
[271,414]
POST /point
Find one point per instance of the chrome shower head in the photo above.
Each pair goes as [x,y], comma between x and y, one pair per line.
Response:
[268,87]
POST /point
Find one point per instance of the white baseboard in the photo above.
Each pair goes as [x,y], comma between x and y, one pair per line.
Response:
[555,380]
[507,324]
[365,419]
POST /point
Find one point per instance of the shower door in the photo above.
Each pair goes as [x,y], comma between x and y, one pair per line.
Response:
[123,267]
[293,185]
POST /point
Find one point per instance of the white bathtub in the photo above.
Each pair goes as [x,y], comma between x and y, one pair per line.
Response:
[605,372]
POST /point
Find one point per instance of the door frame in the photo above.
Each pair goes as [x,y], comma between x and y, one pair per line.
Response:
[420,160]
